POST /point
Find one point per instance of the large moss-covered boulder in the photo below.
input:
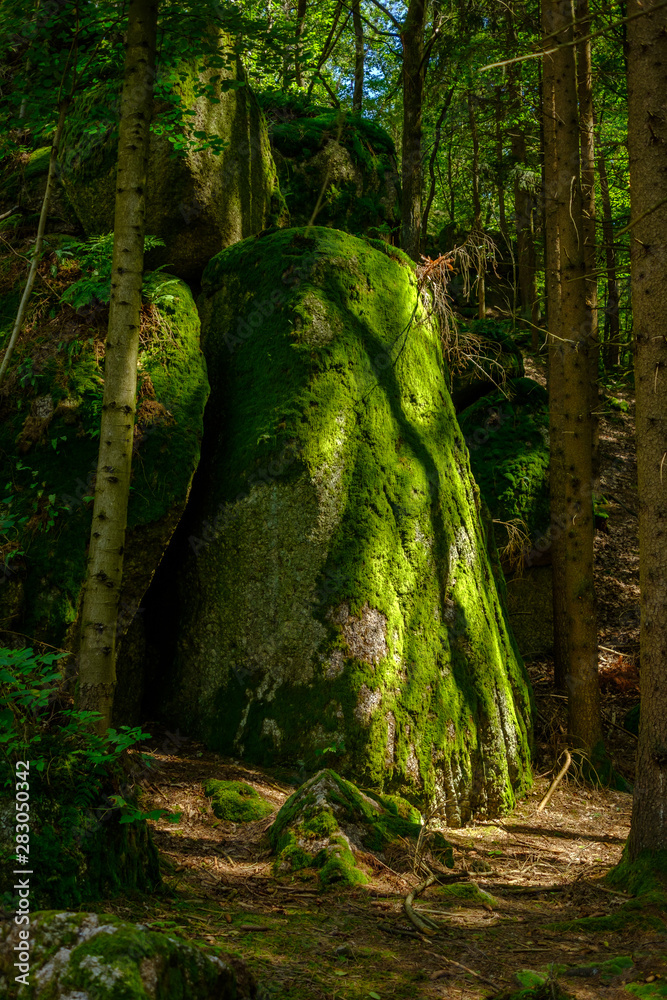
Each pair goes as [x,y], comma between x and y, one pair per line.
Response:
[99,957]
[335,164]
[328,819]
[23,184]
[337,589]
[49,432]
[198,200]
[488,358]
[507,433]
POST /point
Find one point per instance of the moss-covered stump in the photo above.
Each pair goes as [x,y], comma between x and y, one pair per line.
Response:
[236,802]
[99,957]
[337,590]
[49,434]
[489,358]
[23,184]
[507,433]
[77,854]
[339,163]
[329,818]
[198,201]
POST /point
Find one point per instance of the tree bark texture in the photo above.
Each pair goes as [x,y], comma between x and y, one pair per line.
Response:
[587,134]
[97,671]
[477,207]
[414,71]
[569,393]
[432,161]
[647,85]
[358,95]
[612,326]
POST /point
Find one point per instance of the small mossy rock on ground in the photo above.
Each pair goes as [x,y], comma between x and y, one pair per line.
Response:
[78,854]
[328,818]
[507,433]
[23,183]
[197,202]
[338,160]
[91,956]
[336,586]
[236,802]
[49,435]
[494,358]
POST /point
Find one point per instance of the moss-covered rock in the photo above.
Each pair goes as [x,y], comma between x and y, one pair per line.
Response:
[490,357]
[198,201]
[99,957]
[23,184]
[49,438]
[337,587]
[78,854]
[507,433]
[328,818]
[335,162]
[236,802]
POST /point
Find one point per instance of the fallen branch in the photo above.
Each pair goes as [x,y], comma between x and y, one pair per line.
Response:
[477,975]
[555,783]
[5,215]
[425,925]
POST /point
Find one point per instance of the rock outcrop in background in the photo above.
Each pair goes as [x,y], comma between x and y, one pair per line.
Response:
[335,587]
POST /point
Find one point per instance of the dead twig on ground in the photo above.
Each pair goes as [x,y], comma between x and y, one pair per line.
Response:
[556,782]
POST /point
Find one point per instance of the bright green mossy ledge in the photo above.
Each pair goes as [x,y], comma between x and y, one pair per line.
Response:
[236,802]
[99,957]
[49,440]
[323,821]
[338,587]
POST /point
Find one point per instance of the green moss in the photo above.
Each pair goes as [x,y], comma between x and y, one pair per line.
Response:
[348,159]
[464,892]
[104,958]
[344,590]
[236,802]
[50,440]
[340,866]
[647,991]
[507,434]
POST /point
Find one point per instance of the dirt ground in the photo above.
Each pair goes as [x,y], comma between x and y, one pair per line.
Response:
[533,896]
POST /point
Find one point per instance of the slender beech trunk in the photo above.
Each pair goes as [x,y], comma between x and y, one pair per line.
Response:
[358,24]
[500,183]
[569,396]
[647,133]
[41,229]
[97,667]
[298,48]
[477,206]
[414,71]
[612,326]
[587,139]
[432,161]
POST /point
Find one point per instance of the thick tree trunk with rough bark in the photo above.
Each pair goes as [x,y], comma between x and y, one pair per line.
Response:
[97,670]
[612,326]
[414,71]
[647,85]
[569,394]
[587,134]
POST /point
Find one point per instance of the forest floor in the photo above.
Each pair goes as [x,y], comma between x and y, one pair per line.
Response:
[548,908]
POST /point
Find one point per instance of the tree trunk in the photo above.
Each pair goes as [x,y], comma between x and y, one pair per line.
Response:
[358,96]
[569,395]
[587,137]
[477,207]
[647,133]
[298,48]
[41,229]
[612,326]
[97,668]
[432,162]
[414,70]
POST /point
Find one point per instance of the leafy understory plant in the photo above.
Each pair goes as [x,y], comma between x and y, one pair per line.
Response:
[94,257]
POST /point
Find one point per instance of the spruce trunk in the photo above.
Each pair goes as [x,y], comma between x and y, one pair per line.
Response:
[414,68]
[647,37]
[97,670]
[569,393]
